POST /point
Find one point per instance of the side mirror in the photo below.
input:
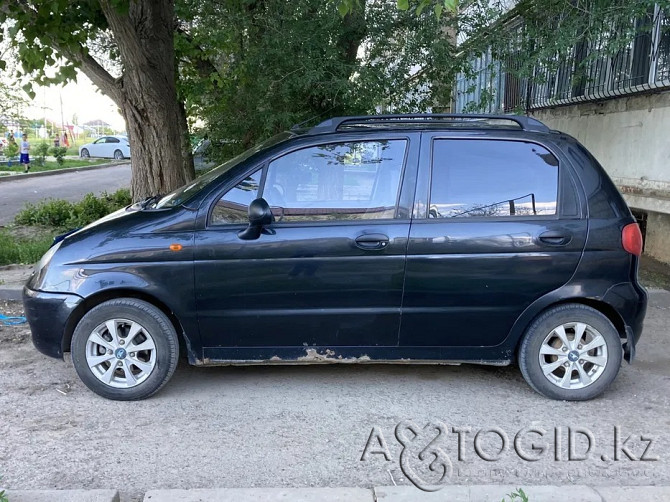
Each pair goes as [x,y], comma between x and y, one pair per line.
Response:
[260,215]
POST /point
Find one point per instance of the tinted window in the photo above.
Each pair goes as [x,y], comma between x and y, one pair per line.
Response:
[492,178]
[336,182]
[112,140]
[233,206]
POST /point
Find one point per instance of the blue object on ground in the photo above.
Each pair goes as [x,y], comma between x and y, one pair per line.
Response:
[12,321]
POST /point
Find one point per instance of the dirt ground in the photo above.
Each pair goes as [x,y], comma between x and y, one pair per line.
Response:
[308,426]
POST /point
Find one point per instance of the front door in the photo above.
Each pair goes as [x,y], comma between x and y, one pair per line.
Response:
[500,227]
[328,273]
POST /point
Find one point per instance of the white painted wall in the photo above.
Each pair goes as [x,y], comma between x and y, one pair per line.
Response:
[630,137]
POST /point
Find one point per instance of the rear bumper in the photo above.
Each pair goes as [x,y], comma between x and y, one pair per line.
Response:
[630,300]
[47,315]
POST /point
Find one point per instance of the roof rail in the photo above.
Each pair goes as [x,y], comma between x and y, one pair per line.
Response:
[461,119]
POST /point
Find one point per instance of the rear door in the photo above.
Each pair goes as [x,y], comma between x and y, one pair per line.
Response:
[497,225]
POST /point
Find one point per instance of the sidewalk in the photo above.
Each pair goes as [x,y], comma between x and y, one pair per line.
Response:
[475,493]
[19,175]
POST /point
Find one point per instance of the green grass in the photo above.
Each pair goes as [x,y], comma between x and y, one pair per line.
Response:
[23,249]
[37,224]
[51,165]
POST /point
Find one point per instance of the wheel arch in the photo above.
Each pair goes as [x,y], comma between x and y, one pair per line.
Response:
[603,307]
[111,294]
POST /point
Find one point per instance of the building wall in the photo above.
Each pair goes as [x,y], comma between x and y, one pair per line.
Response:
[630,137]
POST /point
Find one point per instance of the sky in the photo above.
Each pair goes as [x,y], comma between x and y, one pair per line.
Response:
[81,98]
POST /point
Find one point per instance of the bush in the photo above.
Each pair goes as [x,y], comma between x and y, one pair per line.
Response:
[120,198]
[63,214]
[41,151]
[11,150]
[59,152]
[89,209]
[50,212]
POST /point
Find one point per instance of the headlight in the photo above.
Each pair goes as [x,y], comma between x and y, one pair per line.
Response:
[46,258]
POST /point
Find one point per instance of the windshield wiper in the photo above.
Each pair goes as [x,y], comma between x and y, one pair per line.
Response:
[149,200]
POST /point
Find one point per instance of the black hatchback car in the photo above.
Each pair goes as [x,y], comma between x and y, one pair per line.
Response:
[413,238]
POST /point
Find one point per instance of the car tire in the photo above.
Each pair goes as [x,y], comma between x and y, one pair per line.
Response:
[125,349]
[84,154]
[118,154]
[570,352]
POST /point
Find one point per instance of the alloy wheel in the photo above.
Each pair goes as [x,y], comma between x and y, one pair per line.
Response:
[573,355]
[121,353]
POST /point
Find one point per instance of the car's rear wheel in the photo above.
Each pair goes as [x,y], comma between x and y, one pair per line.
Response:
[125,349]
[571,352]
[84,153]
[118,154]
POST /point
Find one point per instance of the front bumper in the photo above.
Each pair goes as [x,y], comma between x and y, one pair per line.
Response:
[47,315]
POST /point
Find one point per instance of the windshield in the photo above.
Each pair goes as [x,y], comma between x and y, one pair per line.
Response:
[185,193]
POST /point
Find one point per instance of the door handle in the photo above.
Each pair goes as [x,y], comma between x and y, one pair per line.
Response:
[372,241]
[555,237]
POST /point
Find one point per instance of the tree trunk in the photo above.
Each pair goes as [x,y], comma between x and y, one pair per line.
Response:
[186,149]
[148,95]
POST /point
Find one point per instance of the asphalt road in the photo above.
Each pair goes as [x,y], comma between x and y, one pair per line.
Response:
[70,186]
[309,426]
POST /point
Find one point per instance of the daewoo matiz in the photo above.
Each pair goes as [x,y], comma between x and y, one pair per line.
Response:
[413,238]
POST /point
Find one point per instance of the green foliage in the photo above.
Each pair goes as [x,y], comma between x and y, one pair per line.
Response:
[41,151]
[44,30]
[59,152]
[3,495]
[11,150]
[15,249]
[439,6]
[518,495]
[252,69]
[60,213]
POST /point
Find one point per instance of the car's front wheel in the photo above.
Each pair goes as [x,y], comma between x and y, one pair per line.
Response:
[571,352]
[125,349]
[84,154]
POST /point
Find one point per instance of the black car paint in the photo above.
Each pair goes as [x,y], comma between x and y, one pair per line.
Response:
[352,303]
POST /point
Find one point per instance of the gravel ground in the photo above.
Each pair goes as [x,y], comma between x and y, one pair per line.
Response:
[308,426]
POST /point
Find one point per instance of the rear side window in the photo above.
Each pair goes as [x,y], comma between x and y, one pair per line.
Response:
[492,178]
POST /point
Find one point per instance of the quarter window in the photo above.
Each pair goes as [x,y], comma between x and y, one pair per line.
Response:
[489,178]
[343,181]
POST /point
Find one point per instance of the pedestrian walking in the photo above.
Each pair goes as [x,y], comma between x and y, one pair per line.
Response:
[25,149]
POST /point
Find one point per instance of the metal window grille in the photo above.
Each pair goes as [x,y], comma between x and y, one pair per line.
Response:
[591,71]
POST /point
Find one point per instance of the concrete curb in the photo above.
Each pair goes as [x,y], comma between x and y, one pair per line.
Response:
[263,495]
[21,176]
[11,293]
[487,493]
[455,493]
[63,495]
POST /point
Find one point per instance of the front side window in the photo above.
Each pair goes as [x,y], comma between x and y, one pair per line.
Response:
[492,178]
[233,206]
[342,181]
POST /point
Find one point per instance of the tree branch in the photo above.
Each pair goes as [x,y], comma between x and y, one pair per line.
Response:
[77,55]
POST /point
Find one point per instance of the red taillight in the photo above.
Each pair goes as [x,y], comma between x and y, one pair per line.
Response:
[631,239]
